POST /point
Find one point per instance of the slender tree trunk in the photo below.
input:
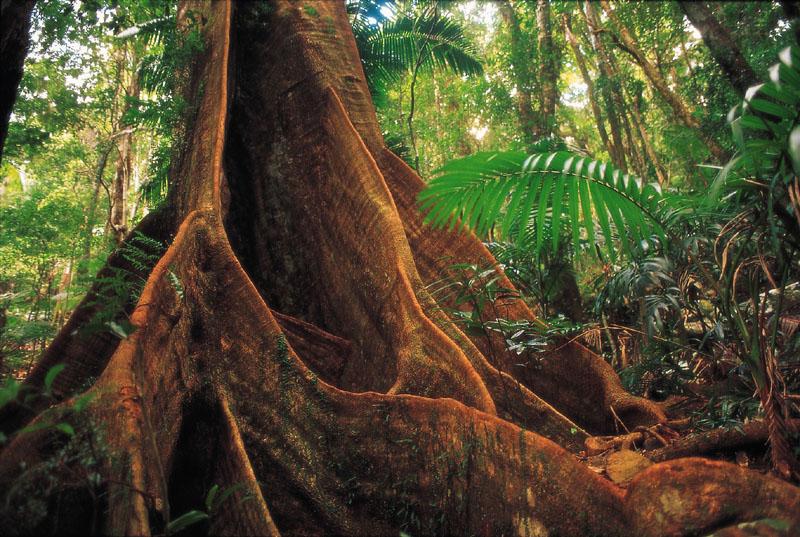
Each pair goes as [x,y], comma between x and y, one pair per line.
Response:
[619,93]
[523,73]
[791,10]
[549,64]
[606,81]
[118,218]
[685,56]
[15,24]
[62,294]
[5,287]
[90,213]
[587,79]
[639,122]
[722,46]
[683,112]
[286,198]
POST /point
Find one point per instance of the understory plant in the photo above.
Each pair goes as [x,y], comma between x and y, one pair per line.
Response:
[704,283]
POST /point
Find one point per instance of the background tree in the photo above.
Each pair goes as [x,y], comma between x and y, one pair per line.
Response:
[15,21]
[721,45]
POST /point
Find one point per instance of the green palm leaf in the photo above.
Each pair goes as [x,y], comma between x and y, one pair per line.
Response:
[395,46]
[762,125]
[536,195]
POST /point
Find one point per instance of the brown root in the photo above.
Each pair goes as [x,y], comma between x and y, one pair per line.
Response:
[752,434]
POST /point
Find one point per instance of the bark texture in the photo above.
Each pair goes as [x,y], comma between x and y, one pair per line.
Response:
[15,25]
[523,72]
[549,67]
[610,98]
[722,46]
[587,79]
[360,408]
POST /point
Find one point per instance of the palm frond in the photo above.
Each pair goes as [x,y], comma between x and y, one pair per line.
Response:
[153,31]
[396,46]
[541,194]
[370,9]
[764,125]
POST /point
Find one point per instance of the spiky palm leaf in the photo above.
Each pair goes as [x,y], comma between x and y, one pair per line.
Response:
[543,192]
[765,129]
[396,46]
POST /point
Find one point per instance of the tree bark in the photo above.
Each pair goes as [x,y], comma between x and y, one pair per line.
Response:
[722,46]
[15,24]
[619,94]
[523,75]
[679,107]
[587,79]
[118,215]
[286,199]
[91,210]
[791,10]
[638,120]
[606,80]
[548,70]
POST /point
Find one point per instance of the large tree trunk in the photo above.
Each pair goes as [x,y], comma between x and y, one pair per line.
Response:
[15,24]
[360,408]
[722,46]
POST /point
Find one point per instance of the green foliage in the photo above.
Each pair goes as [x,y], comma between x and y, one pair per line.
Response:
[406,42]
[765,130]
[119,288]
[12,391]
[647,281]
[70,465]
[476,299]
[728,411]
[213,503]
[430,40]
[547,190]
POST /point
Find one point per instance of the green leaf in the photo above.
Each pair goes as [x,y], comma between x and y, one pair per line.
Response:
[586,206]
[210,497]
[755,122]
[117,330]
[794,148]
[9,391]
[534,189]
[602,217]
[185,520]
[544,199]
[227,493]
[770,108]
[558,200]
[51,375]
[80,402]
[65,428]
[35,427]
[397,46]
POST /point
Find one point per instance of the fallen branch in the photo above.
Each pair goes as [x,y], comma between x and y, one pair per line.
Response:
[751,434]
